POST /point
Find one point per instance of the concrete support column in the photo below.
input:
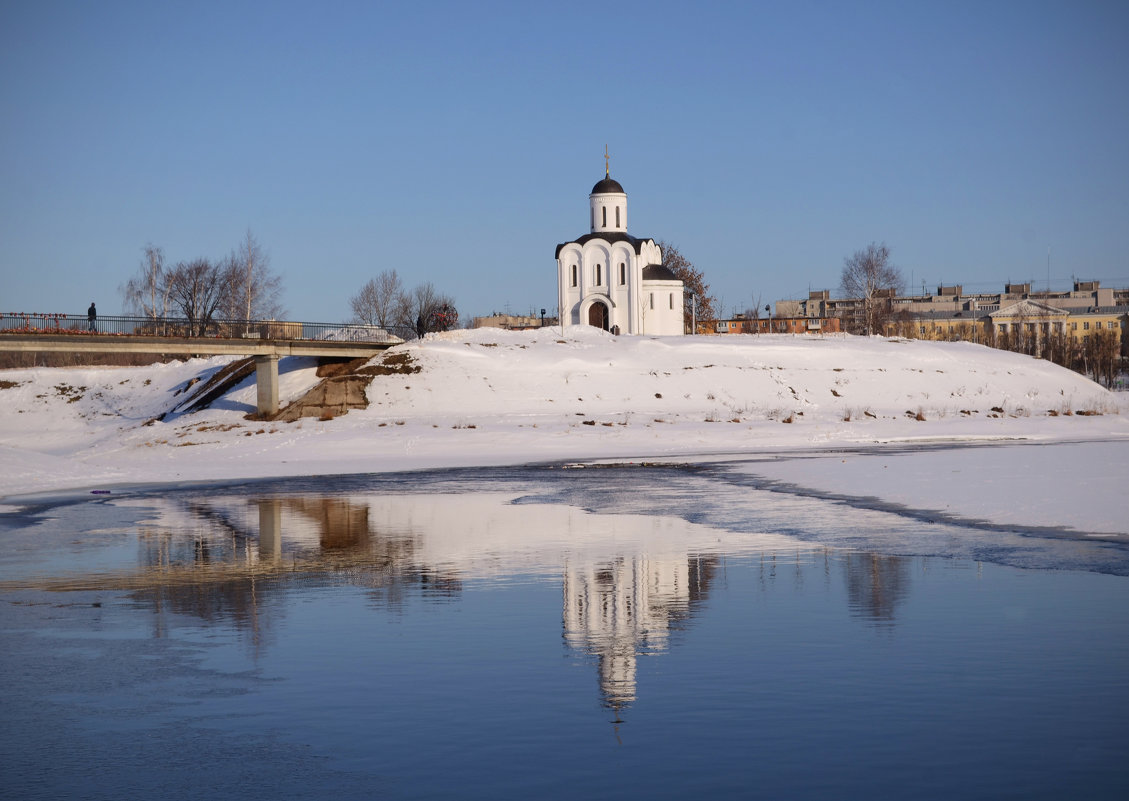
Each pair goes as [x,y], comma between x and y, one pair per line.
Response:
[266,382]
[270,529]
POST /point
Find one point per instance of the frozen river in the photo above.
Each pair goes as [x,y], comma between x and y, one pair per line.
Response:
[661,631]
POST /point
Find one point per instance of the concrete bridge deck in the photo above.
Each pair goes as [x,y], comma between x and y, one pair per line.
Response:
[266,351]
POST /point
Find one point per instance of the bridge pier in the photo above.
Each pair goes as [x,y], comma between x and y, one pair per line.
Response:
[270,528]
[266,383]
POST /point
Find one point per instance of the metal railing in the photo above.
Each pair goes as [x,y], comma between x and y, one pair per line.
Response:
[117,325]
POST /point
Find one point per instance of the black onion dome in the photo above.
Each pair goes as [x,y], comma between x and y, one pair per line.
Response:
[607,187]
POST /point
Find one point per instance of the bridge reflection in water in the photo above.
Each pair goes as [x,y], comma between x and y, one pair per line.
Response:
[629,582]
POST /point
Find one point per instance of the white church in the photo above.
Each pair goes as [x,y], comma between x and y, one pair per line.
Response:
[612,280]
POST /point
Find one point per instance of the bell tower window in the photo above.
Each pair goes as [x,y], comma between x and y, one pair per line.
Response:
[605,210]
[617,216]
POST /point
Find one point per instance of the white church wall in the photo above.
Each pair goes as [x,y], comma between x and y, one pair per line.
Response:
[623,293]
[569,258]
[596,254]
[662,303]
[603,212]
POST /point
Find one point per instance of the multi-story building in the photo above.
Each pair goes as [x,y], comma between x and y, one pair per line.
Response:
[1004,319]
[744,324]
[513,322]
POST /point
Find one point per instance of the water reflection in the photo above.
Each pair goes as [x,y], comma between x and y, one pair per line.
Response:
[624,608]
[237,531]
[222,557]
[404,637]
[227,558]
[876,584]
[629,581]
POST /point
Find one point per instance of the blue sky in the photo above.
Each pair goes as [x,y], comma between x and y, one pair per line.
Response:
[457,142]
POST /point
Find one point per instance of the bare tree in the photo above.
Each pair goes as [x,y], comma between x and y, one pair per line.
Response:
[753,313]
[697,296]
[414,306]
[1023,332]
[902,324]
[377,301]
[869,277]
[147,293]
[253,292]
[239,287]
[197,288]
[1056,347]
[1101,355]
[425,309]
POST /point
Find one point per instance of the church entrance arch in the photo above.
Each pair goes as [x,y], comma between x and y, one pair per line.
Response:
[598,315]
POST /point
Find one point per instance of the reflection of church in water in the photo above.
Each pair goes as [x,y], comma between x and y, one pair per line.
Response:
[622,609]
[223,558]
[615,608]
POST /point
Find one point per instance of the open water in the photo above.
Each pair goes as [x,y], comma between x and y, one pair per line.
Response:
[613,632]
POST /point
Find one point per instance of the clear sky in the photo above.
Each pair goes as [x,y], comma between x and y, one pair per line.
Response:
[457,142]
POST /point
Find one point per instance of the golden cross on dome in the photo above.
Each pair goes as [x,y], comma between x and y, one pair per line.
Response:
[607,163]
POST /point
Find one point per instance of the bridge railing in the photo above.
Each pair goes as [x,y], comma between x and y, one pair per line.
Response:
[118,325]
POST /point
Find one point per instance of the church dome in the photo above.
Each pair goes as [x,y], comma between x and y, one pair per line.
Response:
[608,186]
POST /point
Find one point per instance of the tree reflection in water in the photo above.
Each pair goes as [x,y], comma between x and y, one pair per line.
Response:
[876,584]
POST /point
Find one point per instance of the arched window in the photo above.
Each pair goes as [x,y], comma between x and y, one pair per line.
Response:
[652,300]
[599,275]
[672,300]
[605,209]
[622,274]
[574,275]
[617,216]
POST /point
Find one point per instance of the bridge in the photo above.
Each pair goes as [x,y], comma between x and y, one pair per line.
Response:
[265,340]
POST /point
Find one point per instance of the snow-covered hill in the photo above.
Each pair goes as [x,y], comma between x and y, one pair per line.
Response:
[496,397]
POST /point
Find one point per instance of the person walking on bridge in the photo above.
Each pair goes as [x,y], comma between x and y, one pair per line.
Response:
[92,316]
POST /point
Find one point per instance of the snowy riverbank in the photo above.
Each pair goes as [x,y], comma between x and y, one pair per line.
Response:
[491,397]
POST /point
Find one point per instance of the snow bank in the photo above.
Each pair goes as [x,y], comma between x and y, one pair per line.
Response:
[496,397]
